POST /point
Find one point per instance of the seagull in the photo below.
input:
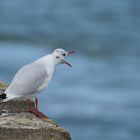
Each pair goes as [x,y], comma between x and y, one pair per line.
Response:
[33,78]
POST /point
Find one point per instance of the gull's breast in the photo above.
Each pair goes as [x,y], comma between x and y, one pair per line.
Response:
[46,81]
[44,85]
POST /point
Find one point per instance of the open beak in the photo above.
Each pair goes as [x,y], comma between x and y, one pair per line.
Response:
[70,52]
[65,62]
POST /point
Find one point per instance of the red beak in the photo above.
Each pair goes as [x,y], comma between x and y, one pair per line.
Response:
[70,52]
[65,62]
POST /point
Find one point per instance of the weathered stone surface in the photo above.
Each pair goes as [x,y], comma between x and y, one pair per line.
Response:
[16,106]
[26,126]
[3,86]
[17,124]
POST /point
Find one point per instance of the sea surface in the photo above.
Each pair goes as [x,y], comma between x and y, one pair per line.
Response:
[99,97]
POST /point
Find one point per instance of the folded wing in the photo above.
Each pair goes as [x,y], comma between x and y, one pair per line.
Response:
[27,81]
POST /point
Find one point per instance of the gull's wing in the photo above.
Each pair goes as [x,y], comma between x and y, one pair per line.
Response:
[27,80]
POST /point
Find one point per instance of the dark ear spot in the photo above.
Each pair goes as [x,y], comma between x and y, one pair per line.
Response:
[57,56]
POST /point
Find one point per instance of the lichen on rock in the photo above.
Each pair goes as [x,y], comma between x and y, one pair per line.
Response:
[3,86]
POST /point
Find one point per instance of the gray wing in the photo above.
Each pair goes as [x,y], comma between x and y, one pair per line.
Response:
[27,80]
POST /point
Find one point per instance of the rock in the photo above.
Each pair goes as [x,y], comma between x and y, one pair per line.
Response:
[3,86]
[18,124]
[26,126]
[16,106]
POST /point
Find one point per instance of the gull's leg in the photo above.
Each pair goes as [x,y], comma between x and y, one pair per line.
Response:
[35,111]
[38,113]
[36,103]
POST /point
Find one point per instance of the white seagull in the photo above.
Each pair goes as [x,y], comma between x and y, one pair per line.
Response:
[33,78]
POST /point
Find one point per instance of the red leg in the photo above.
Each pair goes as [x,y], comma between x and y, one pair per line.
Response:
[36,104]
[36,112]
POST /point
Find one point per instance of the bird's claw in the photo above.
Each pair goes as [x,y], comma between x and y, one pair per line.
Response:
[37,113]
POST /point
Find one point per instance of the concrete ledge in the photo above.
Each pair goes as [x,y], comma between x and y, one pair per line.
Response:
[17,124]
[26,126]
[16,106]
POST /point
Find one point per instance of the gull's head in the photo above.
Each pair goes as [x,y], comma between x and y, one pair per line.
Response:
[59,56]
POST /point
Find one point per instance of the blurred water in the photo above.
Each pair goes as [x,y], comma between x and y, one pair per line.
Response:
[99,96]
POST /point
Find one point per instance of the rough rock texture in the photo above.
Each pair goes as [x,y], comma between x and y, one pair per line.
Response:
[26,126]
[16,106]
[17,124]
[3,86]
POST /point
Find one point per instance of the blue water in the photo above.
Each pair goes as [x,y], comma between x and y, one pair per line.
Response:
[98,98]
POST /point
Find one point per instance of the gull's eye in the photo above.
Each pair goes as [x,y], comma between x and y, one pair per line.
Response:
[57,56]
[64,54]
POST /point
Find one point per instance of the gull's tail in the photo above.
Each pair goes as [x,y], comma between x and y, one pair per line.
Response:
[2,96]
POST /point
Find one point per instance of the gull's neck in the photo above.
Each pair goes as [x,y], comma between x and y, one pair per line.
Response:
[47,60]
